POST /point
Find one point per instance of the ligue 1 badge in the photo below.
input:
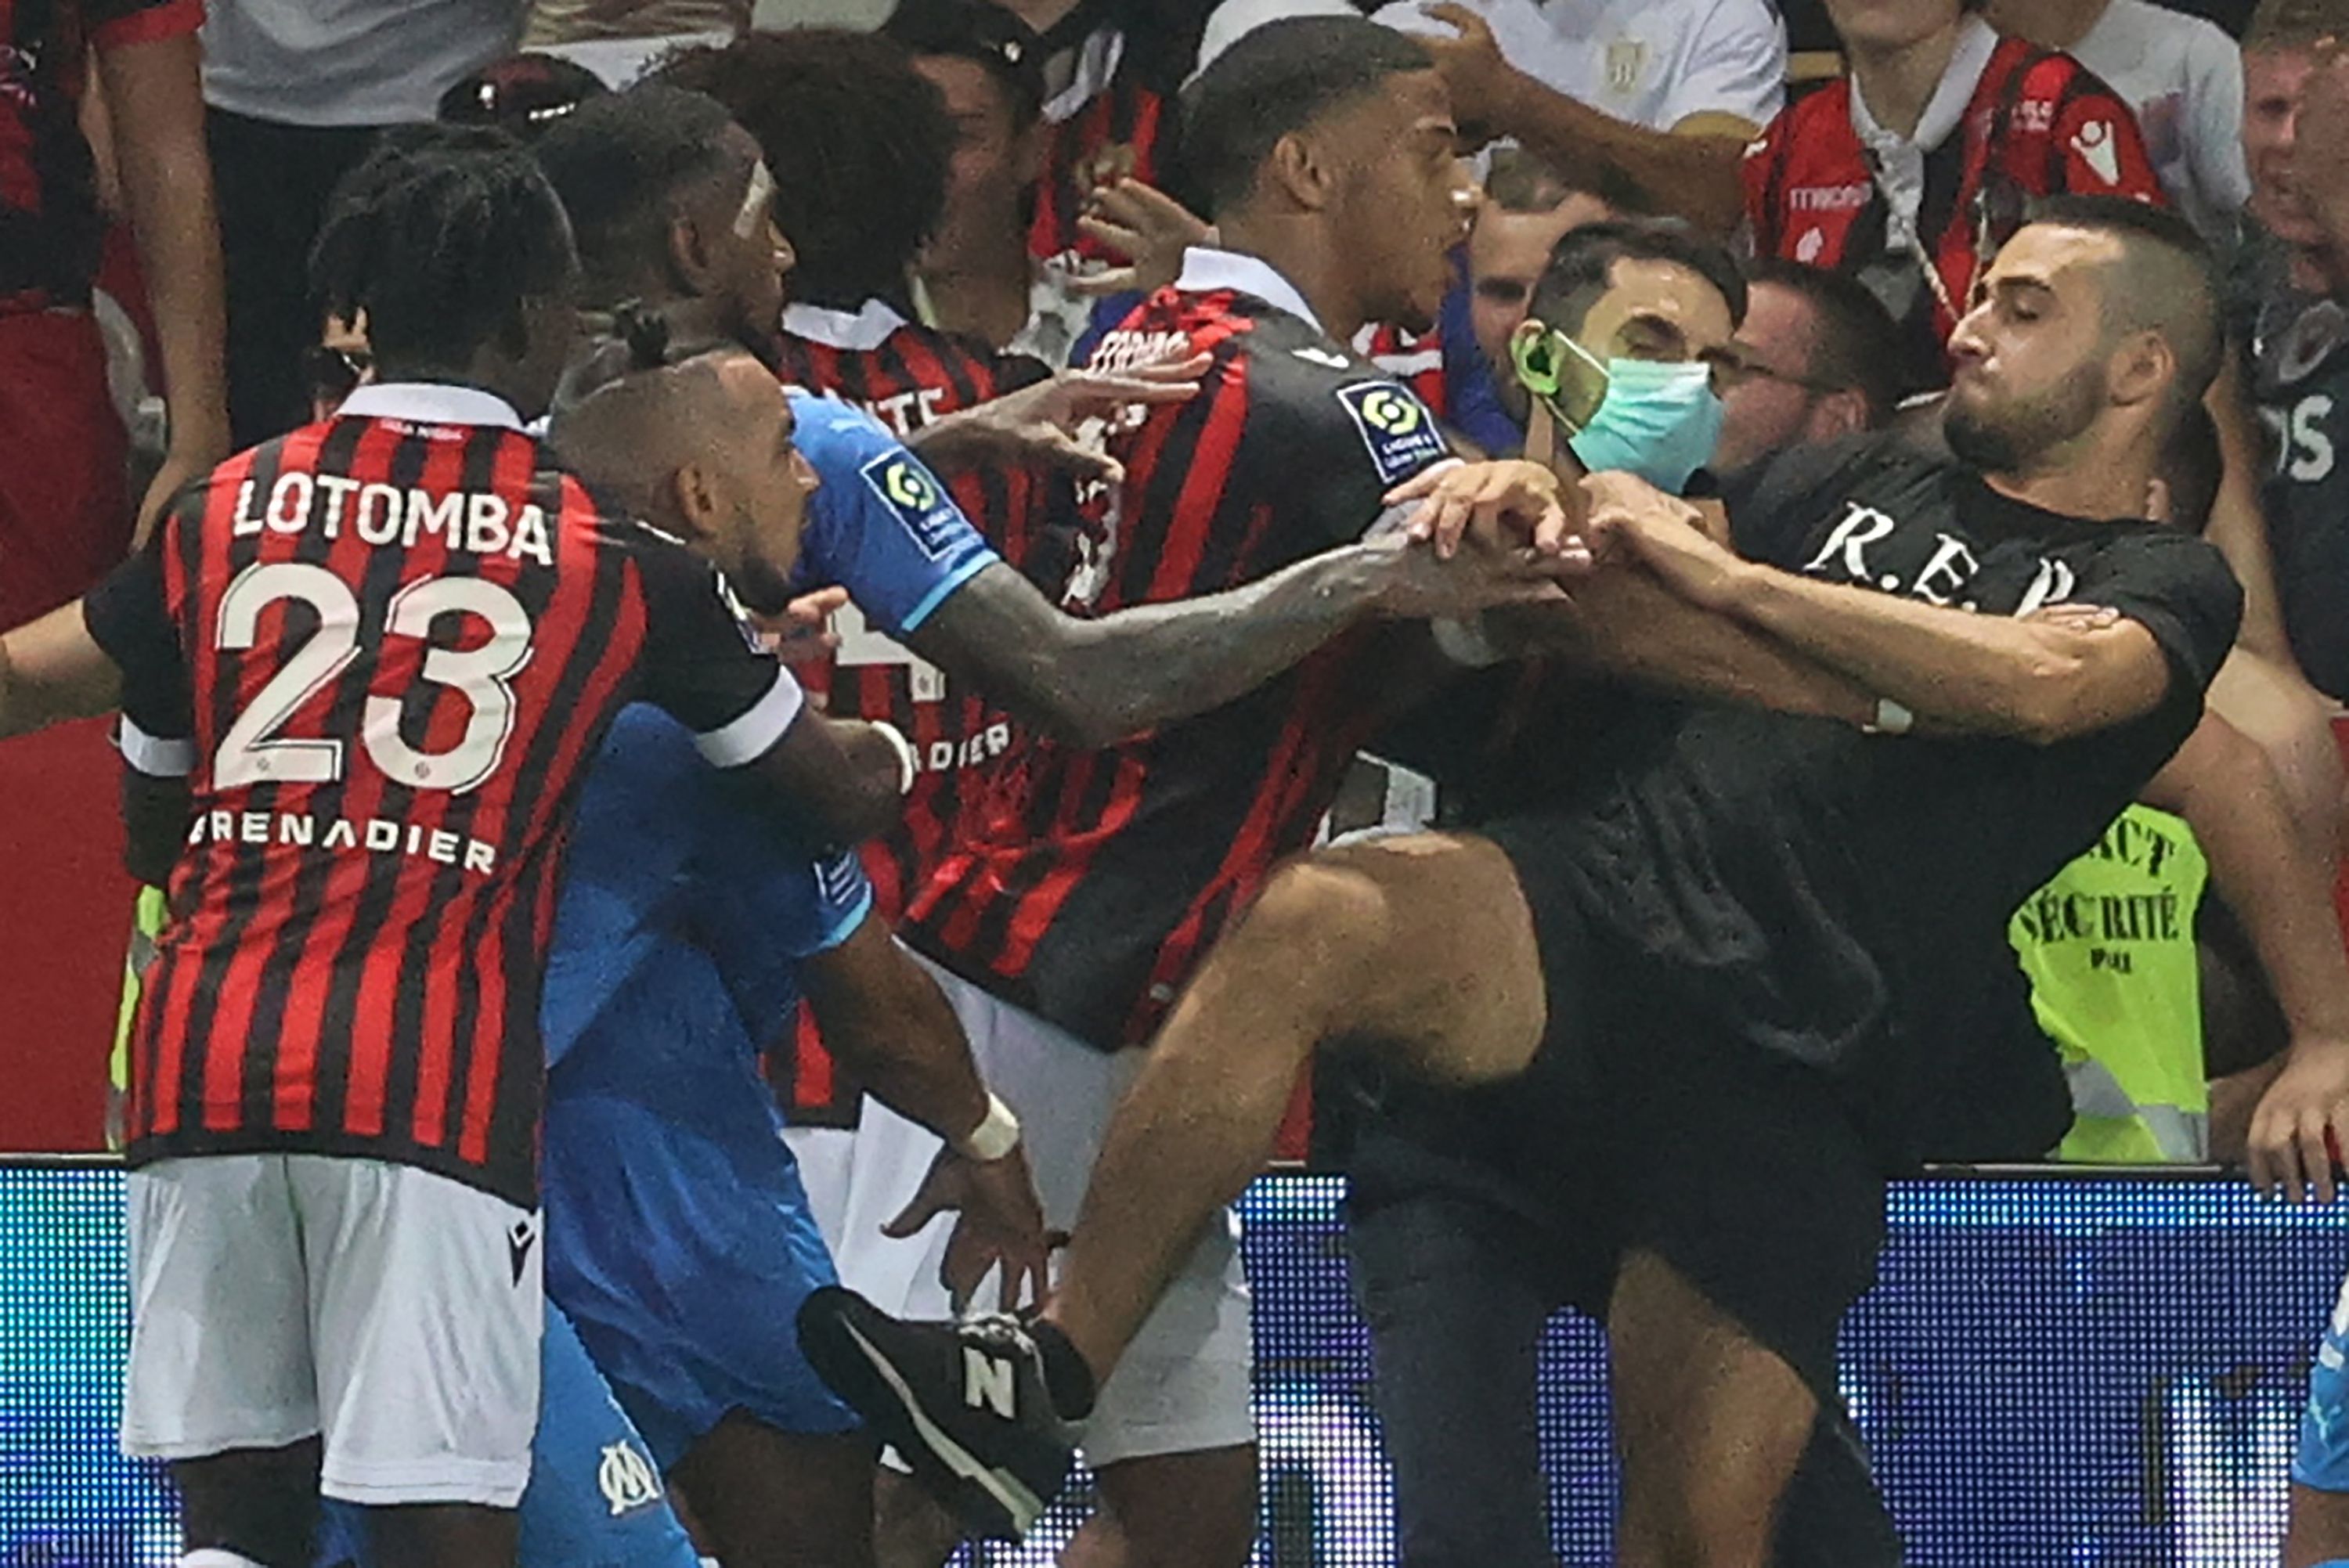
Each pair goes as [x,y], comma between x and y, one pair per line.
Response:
[2311,339]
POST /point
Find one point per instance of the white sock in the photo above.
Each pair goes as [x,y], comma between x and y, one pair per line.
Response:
[215,1557]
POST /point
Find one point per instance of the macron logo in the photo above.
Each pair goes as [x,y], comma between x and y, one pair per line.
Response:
[990,1382]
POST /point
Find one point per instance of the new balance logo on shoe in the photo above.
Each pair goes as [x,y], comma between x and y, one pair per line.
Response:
[990,1382]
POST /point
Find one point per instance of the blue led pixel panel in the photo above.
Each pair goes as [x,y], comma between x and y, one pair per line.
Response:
[2099,1372]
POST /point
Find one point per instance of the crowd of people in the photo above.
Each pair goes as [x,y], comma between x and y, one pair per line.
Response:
[778,686]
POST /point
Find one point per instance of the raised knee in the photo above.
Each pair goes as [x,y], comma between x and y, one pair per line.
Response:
[1327,908]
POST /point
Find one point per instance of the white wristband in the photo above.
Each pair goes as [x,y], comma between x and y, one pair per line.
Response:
[1892,718]
[910,766]
[997,1135]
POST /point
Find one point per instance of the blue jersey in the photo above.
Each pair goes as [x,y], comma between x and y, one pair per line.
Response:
[880,525]
[677,1235]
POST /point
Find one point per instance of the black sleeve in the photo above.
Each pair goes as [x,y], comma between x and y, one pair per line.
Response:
[2178,588]
[126,616]
[1327,439]
[701,661]
[1775,507]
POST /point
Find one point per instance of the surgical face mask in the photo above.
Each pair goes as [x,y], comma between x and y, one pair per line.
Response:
[1658,418]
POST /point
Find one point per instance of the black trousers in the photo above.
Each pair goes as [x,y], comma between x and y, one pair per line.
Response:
[1456,1290]
[272,183]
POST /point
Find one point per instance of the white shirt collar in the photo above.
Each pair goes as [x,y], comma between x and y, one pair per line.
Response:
[1977,42]
[1207,269]
[430,403]
[1897,161]
[862,333]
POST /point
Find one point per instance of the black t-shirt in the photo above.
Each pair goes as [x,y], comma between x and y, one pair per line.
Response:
[1819,891]
[2301,381]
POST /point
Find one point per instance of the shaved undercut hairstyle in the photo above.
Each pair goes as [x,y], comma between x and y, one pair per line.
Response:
[631,419]
[1274,82]
[622,163]
[2166,282]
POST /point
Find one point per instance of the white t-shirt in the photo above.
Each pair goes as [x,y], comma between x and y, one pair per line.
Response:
[2184,78]
[348,62]
[1652,63]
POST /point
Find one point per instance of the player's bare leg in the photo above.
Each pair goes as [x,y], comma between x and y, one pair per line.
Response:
[771,1498]
[1421,947]
[910,1528]
[445,1536]
[1172,1511]
[1709,1423]
[2318,1532]
[259,1504]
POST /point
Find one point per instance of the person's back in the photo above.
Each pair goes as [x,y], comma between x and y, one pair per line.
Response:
[1096,877]
[375,838]
[380,650]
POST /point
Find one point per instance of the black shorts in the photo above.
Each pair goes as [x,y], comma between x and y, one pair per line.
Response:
[1648,1129]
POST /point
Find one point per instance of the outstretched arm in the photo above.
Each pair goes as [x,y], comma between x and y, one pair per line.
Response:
[1692,170]
[2040,678]
[1623,622]
[1092,682]
[52,670]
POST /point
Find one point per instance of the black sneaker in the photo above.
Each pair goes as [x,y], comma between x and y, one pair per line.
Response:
[962,1403]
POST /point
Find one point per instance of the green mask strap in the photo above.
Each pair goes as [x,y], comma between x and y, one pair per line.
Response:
[1536,360]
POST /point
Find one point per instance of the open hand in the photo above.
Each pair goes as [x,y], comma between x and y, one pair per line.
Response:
[802,634]
[1472,67]
[999,1224]
[1149,228]
[1502,502]
[1057,422]
[2294,1141]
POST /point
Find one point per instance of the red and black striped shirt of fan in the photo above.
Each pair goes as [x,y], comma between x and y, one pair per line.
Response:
[1112,68]
[907,374]
[2008,122]
[383,650]
[1097,878]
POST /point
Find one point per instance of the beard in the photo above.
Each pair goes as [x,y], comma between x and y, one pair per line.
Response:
[763,589]
[1999,438]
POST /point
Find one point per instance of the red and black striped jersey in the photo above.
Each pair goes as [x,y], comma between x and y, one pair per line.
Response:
[2037,123]
[1415,358]
[1122,61]
[1097,878]
[906,375]
[383,650]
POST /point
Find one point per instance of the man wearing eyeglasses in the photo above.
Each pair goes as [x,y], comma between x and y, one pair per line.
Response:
[1816,359]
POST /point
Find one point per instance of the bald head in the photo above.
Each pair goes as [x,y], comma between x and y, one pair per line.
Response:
[629,438]
[702,449]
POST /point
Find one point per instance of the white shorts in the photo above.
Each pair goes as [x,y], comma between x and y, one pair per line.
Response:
[1184,1384]
[392,1310]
